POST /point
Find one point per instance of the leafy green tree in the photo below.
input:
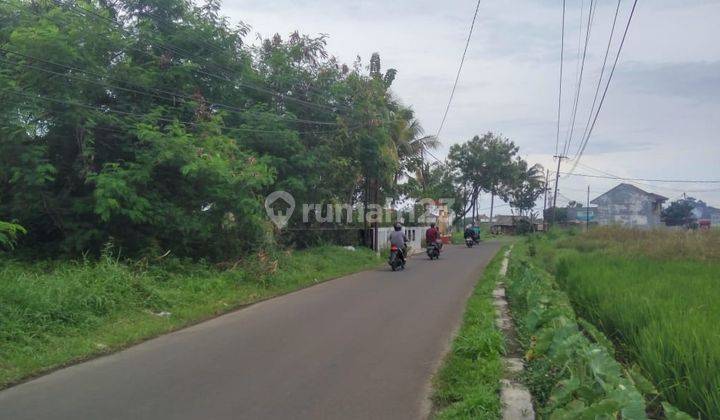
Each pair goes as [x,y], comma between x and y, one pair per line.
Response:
[527,188]
[679,213]
[150,123]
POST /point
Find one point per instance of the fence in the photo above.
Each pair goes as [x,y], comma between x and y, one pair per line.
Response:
[415,235]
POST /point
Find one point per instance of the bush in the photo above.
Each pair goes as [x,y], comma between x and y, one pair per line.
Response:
[570,376]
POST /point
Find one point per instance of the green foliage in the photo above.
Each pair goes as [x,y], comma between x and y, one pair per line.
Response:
[9,233]
[569,376]
[468,383]
[668,310]
[679,213]
[652,293]
[152,125]
[490,163]
[53,313]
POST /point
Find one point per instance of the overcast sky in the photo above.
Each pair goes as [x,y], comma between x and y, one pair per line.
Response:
[661,118]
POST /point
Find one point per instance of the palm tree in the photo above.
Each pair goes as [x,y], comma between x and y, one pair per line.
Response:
[410,144]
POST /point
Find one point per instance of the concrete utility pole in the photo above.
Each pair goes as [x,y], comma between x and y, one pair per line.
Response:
[557,179]
[587,211]
[545,223]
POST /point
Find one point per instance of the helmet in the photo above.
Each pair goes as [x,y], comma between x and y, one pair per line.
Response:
[398,226]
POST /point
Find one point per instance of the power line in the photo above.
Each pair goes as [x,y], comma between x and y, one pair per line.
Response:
[80,11]
[578,89]
[153,92]
[602,71]
[678,181]
[562,59]
[585,141]
[457,77]
[646,185]
[141,116]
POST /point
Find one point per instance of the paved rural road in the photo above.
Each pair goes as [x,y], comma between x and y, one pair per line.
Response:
[362,346]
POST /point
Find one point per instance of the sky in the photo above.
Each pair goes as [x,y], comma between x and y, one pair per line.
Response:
[661,117]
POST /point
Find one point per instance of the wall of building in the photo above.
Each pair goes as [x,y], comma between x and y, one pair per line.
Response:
[627,207]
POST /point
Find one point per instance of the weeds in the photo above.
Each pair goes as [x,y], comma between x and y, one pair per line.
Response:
[468,384]
[52,313]
[654,293]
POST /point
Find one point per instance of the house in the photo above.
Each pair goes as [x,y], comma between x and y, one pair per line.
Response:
[706,215]
[630,206]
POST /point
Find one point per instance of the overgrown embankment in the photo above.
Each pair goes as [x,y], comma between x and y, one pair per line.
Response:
[468,384]
[54,313]
[654,294]
[569,375]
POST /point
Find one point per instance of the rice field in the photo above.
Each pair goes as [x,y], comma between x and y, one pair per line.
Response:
[656,295]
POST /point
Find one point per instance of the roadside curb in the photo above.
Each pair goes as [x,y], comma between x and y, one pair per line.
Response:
[516,399]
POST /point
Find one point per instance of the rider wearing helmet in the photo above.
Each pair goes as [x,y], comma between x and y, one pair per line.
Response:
[398,239]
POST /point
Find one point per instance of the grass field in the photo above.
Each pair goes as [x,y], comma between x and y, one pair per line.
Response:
[55,313]
[468,384]
[655,294]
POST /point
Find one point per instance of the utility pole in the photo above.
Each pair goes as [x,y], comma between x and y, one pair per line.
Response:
[547,175]
[587,211]
[557,179]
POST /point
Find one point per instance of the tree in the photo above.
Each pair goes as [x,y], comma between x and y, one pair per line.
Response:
[679,213]
[166,131]
[528,187]
[487,163]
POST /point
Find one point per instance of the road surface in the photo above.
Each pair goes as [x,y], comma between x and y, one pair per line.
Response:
[359,347]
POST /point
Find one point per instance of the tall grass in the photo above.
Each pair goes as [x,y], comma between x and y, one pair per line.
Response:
[53,313]
[664,244]
[656,294]
[468,384]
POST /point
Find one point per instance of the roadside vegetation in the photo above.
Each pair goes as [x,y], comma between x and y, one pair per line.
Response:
[468,384]
[654,294]
[55,313]
[155,130]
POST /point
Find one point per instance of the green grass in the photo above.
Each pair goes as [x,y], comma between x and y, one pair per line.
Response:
[468,384]
[655,293]
[664,314]
[56,313]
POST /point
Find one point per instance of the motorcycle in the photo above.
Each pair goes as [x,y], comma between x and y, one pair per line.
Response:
[433,251]
[396,260]
[469,241]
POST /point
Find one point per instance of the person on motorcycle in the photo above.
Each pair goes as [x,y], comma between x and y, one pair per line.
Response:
[469,232]
[398,239]
[432,236]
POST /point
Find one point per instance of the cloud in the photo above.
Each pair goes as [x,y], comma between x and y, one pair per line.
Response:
[696,81]
[660,118]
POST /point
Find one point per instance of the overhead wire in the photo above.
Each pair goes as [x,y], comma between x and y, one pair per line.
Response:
[562,60]
[578,88]
[163,119]
[585,141]
[83,12]
[602,71]
[170,96]
[457,76]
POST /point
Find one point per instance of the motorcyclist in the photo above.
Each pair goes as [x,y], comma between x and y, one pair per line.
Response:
[470,233]
[398,239]
[432,236]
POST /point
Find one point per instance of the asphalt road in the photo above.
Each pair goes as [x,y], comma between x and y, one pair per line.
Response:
[359,347]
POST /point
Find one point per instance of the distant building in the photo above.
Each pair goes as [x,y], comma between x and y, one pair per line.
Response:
[706,214]
[629,205]
[581,215]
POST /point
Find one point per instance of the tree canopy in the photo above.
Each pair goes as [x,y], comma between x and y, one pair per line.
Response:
[155,126]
